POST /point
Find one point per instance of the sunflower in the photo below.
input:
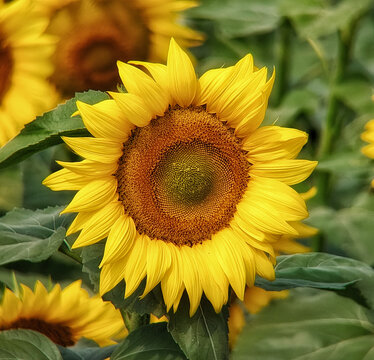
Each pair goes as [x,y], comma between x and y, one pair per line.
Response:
[368,136]
[24,67]
[188,189]
[94,34]
[64,316]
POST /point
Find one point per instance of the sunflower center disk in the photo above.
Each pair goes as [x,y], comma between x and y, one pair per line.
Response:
[181,176]
[58,333]
[87,54]
[6,66]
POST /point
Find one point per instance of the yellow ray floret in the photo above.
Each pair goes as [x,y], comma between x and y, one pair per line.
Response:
[64,315]
[25,65]
[190,192]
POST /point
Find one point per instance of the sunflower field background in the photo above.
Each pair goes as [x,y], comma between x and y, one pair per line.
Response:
[319,305]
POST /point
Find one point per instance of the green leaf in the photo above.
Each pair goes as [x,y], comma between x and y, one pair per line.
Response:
[11,188]
[27,344]
[151,342]
[203,336]
[88,353]
[350,229]
[317,18]
[152,303]
[46,130]
[308,326]
[239,18]
[91,258]
[32,235]
[349,277]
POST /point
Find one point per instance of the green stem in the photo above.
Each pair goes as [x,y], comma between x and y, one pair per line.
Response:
[133,320]
[67,251]
[332,124]
[283,62]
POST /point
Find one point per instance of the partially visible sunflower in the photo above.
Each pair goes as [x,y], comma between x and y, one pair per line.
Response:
[24,67]
[94,34]
[64,316]
[368,136]
[187,188]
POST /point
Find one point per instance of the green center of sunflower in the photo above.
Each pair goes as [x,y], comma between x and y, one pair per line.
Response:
[87,53]
[181,177]
[187,176]
[58,333]
[6,66]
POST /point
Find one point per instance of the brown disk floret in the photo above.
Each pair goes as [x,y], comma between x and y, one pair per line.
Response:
[181,177]
[58,333]
[6,66]
[87,54]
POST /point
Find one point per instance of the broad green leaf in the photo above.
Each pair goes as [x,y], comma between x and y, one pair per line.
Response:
[355,93]
[308,326]
[314,19]
[203,336]
[350,229]
[239,18]
[27,344]
[347,276]
[151,342]
[152,303]
[11,188]
[91,258]
[31,235]
[46,130]
[87,353]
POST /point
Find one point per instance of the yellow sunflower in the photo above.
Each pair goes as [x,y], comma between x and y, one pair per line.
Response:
[94,34]
[64,316]
[24,67]
[368,136]
[182,181]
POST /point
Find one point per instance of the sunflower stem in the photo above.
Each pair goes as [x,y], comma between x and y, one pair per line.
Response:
[134,320]
[283,62]
[332,124]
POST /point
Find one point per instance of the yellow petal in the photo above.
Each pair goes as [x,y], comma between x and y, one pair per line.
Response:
[120,240]
[65,180]
[158,263]
[89,168]
[94,195]
[98,226]
[134,108]
[110,275]
[140,84]
[101,150]
[135,270]
[288,171]
[181,75]
[105,120]
[269,143]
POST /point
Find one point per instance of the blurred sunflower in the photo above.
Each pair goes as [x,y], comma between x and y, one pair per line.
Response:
[368,136]
[94,34]
[24,67]
[182,181]
[64,316]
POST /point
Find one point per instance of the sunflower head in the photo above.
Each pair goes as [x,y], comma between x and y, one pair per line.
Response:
[94,34]
[187,188]
[24,67]
[64,316]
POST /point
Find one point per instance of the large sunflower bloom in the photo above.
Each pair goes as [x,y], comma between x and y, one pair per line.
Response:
[94,34]
[24,67]
[368,136]
[182,181]
[64,316]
